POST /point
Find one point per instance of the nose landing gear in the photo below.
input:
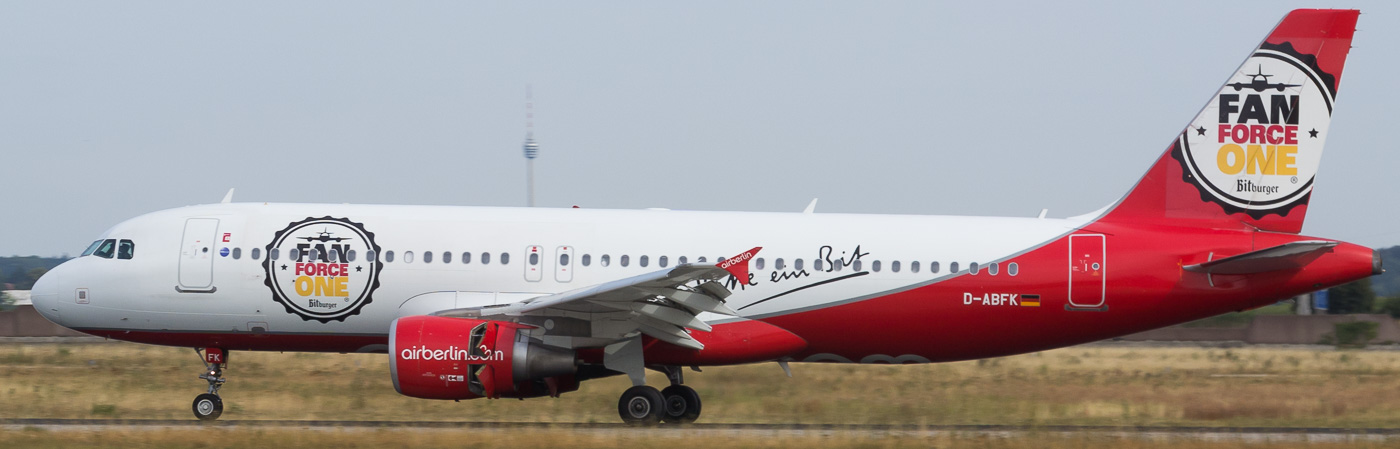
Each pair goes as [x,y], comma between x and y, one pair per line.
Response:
[208,406]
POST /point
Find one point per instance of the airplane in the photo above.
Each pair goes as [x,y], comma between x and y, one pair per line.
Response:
[496,302]
[325,236]
[1260,82]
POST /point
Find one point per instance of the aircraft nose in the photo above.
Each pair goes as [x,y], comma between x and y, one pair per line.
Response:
[44,294]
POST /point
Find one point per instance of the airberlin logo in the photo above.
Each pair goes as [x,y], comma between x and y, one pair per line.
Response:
[322,268]
[1256,147]
[452,353]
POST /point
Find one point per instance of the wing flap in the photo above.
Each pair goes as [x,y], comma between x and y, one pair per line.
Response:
[671,315]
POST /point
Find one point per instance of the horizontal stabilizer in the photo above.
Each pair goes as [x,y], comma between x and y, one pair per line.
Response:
[1288,256]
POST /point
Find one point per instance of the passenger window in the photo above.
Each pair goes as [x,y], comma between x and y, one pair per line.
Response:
[237,253]
[759,263]
[857,265]
[315,255]
[370,256]
[643,261]
[797,264]
[534,259]
[953,267]
[564,260]
[700,259]
[294,254]
[126,249]
[408,257]
[894,266]
[605,260]
[683,260]
[257,253]
[624,260]
[505,258]
[427,257]
[778,264]
[447,257]
[587,259]
[662,261]
[817,265]
[1012,269]
[972,267]
[485,258]
[466,257]
[91,248]
[389,256]
[334,256]
[274,254]
[992,269]
[350,255]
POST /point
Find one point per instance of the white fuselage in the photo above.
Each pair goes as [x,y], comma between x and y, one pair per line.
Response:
[146,292]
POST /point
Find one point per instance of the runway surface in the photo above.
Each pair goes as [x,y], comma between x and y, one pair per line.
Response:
[1250,434]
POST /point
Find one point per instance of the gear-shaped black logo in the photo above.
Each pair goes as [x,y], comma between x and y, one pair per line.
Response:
[322,269]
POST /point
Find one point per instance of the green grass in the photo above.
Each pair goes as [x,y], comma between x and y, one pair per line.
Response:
[1077,386]
[651,438]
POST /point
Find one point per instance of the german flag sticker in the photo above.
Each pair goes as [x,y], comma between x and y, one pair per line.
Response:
[1030,300]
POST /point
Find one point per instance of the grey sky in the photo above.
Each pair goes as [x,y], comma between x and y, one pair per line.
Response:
[110,110]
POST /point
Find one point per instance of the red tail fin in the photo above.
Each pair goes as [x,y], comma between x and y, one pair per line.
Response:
[1250,156]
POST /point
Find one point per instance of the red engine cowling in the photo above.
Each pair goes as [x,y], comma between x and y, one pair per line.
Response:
[460,358]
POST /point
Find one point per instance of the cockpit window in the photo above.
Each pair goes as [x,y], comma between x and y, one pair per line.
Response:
[126,249]
[91,248]
[106,249]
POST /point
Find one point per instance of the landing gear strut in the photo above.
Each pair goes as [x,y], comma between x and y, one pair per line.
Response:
[208,406]
[644,406]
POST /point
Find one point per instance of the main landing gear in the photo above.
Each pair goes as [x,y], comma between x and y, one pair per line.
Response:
[643,405]
[208,406]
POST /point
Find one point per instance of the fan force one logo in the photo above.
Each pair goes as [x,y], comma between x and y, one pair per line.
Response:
[321,268]
[1256,147]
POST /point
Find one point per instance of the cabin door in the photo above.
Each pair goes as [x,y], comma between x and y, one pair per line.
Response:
[1087,267]
[197,255]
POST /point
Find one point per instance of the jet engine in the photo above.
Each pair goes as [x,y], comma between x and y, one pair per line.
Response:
[460,358]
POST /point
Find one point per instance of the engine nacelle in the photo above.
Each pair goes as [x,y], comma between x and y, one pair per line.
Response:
[459,358]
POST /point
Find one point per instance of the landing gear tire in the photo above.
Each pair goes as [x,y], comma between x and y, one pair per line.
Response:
[682,404]
[208,407]
[641,406]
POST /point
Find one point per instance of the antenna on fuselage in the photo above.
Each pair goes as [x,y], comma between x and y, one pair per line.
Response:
[532,149]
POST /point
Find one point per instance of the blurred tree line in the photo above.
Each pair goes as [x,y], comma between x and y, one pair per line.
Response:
[1360,297]
[21,272]
[1376,294]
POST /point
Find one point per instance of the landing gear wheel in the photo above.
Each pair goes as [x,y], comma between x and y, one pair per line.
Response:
[640,406]
[208,407]
[682,404]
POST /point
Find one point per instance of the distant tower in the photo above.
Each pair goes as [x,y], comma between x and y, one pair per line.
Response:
[532,149]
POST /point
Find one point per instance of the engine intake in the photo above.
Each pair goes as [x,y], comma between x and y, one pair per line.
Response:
[461,358]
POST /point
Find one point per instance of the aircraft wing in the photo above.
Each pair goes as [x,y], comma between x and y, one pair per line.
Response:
[661,304]
[1287,256]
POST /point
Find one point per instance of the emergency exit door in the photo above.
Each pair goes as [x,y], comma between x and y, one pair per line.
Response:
[1087,265]
[197,255]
